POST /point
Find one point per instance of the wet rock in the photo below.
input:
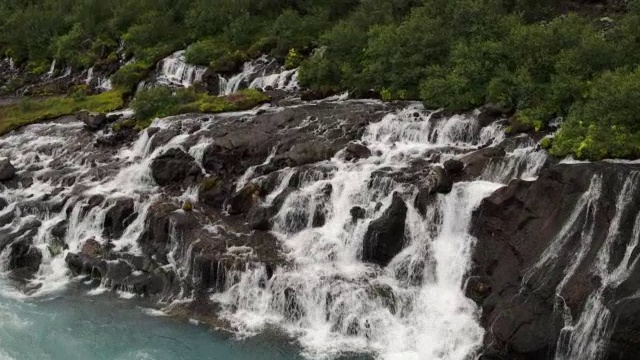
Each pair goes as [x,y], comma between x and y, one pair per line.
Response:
[260,218]
[492,112]
[384,238]
[119,217]
[436,182]
[477,161]
[3,204]
[92,120]
[174,166]
[245,199]
[162,137]
[7,171]
[117,272]
[212,192]
[24,257]
[513,227]
[356,151]
[453,166]
[357,213]
[81,264]
[91,248]
[293,311]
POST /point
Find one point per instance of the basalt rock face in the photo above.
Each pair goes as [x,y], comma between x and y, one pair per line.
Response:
[385,236]
[299,136]
[538,247]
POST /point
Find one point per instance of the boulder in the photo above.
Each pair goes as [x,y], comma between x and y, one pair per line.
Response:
[356,151]
[436,182]
[24,257]
[492,112]
[384,238]
[453,166]
[212,192]
[260,218]
[245,199]
[3,204]
[119,216]
[357,213]
[7,171]
[477,161]
[92,120]
[162,137]
[174,166]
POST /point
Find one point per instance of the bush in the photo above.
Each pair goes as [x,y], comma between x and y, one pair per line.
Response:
[130,75]
[605,123]
[163,101]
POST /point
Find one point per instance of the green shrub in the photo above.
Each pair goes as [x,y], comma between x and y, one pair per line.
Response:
[130,75]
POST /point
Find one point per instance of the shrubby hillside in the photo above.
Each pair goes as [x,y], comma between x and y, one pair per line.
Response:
[536,61]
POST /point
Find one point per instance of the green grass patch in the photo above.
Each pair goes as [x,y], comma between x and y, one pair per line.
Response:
[159,102]
[30,111]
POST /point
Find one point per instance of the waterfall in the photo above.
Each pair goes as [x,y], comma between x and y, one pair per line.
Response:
[259,74]
[52,69]
[326,295]
[587,337]
[334,302]
[173,70]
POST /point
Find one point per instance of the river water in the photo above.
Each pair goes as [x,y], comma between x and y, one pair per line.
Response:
[70,326]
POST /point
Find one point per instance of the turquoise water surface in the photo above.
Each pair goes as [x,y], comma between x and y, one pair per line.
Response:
[74,326]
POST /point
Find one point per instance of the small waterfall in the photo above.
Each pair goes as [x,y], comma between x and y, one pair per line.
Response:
[260,73]
[89,76]
[588,336]
[52,69]
[173,70]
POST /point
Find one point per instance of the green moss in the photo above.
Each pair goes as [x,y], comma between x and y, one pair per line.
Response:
[187,206]
[162,102]
[210,183]
[293,60]
[546,143]
[31,111]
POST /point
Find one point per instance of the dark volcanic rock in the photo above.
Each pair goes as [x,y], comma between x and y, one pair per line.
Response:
[119,217]
[213,192]
[174,166]
[453,166]
[245,199]
[437,181]
[356,151]
[7,171]
[384,238]
[357,213]
[514,227]
[93,121]
[477,161]
[24,257]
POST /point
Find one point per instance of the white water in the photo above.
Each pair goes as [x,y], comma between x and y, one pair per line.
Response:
[173,70]
[342,304]
[260,73]
[414,308]
[587,337]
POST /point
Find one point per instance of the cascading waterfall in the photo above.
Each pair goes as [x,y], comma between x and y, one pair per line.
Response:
[260,73]
[329,298]
[174,70]
[587,337]
[415,307]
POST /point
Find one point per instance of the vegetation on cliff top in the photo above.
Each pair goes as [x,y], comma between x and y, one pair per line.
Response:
[536,57]
[30,111]
[161,101]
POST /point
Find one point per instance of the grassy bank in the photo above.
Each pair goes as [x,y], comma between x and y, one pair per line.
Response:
[29,111]
[161,102]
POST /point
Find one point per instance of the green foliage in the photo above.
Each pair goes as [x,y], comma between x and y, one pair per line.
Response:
[606,123]
[293,59]
[163,101]
[128,76]
[30,111]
